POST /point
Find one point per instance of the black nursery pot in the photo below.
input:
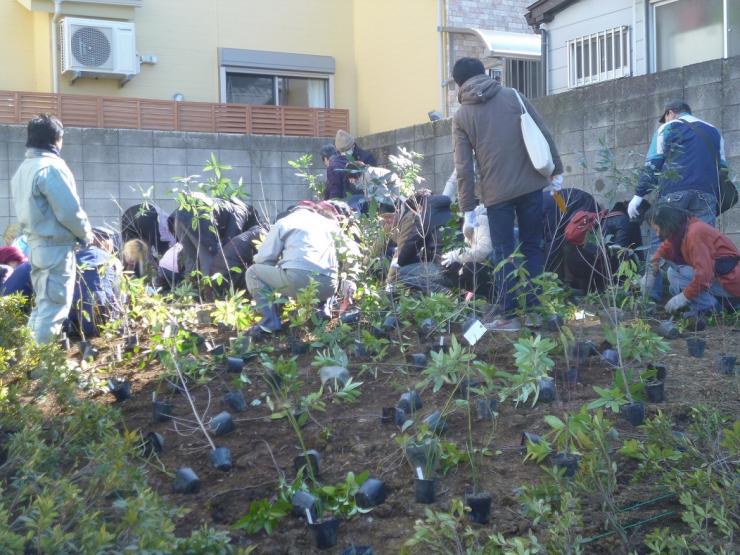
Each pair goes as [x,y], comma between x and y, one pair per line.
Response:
[161,411]
[235,400]
[528,436]
[696,346]
[634,413]
[486,408]
[311,459]
[302,501]
[390,323]
[547,390]
[654,391]
[553,322]
[425,490]
[441,344]
[325,533]
[437,424]
[567,462]
[371,493]
[221,458]
[222,424]
[186,481]
[467,386]
[410,402]
[153,443]
[417,360]
[480,507]
[571,376]
[351,316]
[660,371]
[65,343]
[297,347]
[130,342]
[726,364]
[388,415]
[234,365]
[120,389]
[427,326]
[215,350]
[668,330]
[611,357]
[399,417]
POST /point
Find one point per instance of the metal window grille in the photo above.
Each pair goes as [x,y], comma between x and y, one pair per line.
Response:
[599,57]
[522,75]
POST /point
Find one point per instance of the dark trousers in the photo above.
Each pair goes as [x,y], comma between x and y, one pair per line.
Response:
[471,277]
[527,211]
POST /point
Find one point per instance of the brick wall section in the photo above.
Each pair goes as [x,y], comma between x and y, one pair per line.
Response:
[623,114]
[113,166]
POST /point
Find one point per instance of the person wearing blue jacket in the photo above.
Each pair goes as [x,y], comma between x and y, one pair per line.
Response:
[684,162]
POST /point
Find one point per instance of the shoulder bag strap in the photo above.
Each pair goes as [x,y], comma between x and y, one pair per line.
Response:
[519,98]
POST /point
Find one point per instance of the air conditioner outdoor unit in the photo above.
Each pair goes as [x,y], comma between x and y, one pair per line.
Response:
[97,48]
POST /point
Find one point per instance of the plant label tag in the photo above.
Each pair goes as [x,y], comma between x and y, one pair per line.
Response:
[475,332]
[308,516]
[419,473]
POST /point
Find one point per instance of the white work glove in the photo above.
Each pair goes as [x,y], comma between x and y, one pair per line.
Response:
[633,206]
[647,282]
[449,258]
[676,303]
[556,183]
[469,224]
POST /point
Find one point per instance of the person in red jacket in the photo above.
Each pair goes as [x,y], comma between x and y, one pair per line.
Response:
[703,263]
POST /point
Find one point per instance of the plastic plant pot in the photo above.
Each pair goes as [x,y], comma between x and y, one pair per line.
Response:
[553,322]
[611,317]
[565,461]
[186,481]
[486,408]
[467,386]
[581,350]
[234,365]
[427,327]
[161,411]
[388,415]
[611,357]
[130,342]
[335,376]
[399,418]
[360,350]
[571,376]
[153,443]
[120,389]
[351,316]
[660,371]
[297,347]
[547,390]
[325,533]
[371,493]
[65,343]
[409,402]
[358,550]
[221,458]
[235,400]
[87,351]
[311,460]
[696,346]
[634,413]
[303,501]
[425,490]
[654,391]
[215,350]
[418,361]
[204,317]
[726,364]
[480,507]
[82,347]
[435,422]
[441,344]
[668,330]
[528,437]
[422,454]
[390,323]
[221,424]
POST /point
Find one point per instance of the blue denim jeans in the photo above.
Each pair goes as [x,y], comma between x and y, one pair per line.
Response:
[527,210]
[680,276]
[704,209]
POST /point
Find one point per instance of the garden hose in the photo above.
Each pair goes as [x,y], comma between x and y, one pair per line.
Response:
[628,526]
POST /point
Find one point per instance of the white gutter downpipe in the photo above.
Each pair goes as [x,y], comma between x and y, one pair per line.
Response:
[54,54]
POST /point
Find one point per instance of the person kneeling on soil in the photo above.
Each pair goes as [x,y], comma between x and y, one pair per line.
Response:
[703,263]
[298,248]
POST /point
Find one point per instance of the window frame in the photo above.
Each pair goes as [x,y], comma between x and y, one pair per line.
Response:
[601,74]
[654,31]
[274,74]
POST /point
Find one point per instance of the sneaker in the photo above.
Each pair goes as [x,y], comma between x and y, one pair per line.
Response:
[504,324]
[533,321]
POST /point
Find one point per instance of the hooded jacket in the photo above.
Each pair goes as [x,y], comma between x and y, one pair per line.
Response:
[46,201]
[487,126]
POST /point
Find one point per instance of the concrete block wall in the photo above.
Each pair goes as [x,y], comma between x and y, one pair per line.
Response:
[113,167]
[621,115]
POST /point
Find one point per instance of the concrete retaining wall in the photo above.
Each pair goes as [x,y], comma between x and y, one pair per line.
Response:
[621,114]
[113,166]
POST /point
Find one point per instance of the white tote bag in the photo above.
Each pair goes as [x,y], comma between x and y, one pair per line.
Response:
[534,140]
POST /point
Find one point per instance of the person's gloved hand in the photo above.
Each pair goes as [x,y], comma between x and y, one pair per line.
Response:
[469,224]
[647,282]
[676,303]
[88,239]
[556,183]
[633,206]
[449,258]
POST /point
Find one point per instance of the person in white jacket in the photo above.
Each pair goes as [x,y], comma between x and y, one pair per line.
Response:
[468,266]
[50,214]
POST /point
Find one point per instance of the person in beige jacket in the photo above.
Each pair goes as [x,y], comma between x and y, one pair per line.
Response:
[486,129]
[50,214]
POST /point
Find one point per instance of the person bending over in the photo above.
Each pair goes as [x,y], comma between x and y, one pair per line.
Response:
[702,262]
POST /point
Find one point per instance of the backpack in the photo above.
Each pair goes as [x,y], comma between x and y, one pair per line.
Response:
[582,223]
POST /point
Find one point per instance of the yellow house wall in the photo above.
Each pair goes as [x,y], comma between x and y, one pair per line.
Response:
[396,53]
[387,71]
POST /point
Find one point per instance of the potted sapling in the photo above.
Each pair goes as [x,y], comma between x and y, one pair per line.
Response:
[423,452]
[532,378]
[301,310]
[566,435]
